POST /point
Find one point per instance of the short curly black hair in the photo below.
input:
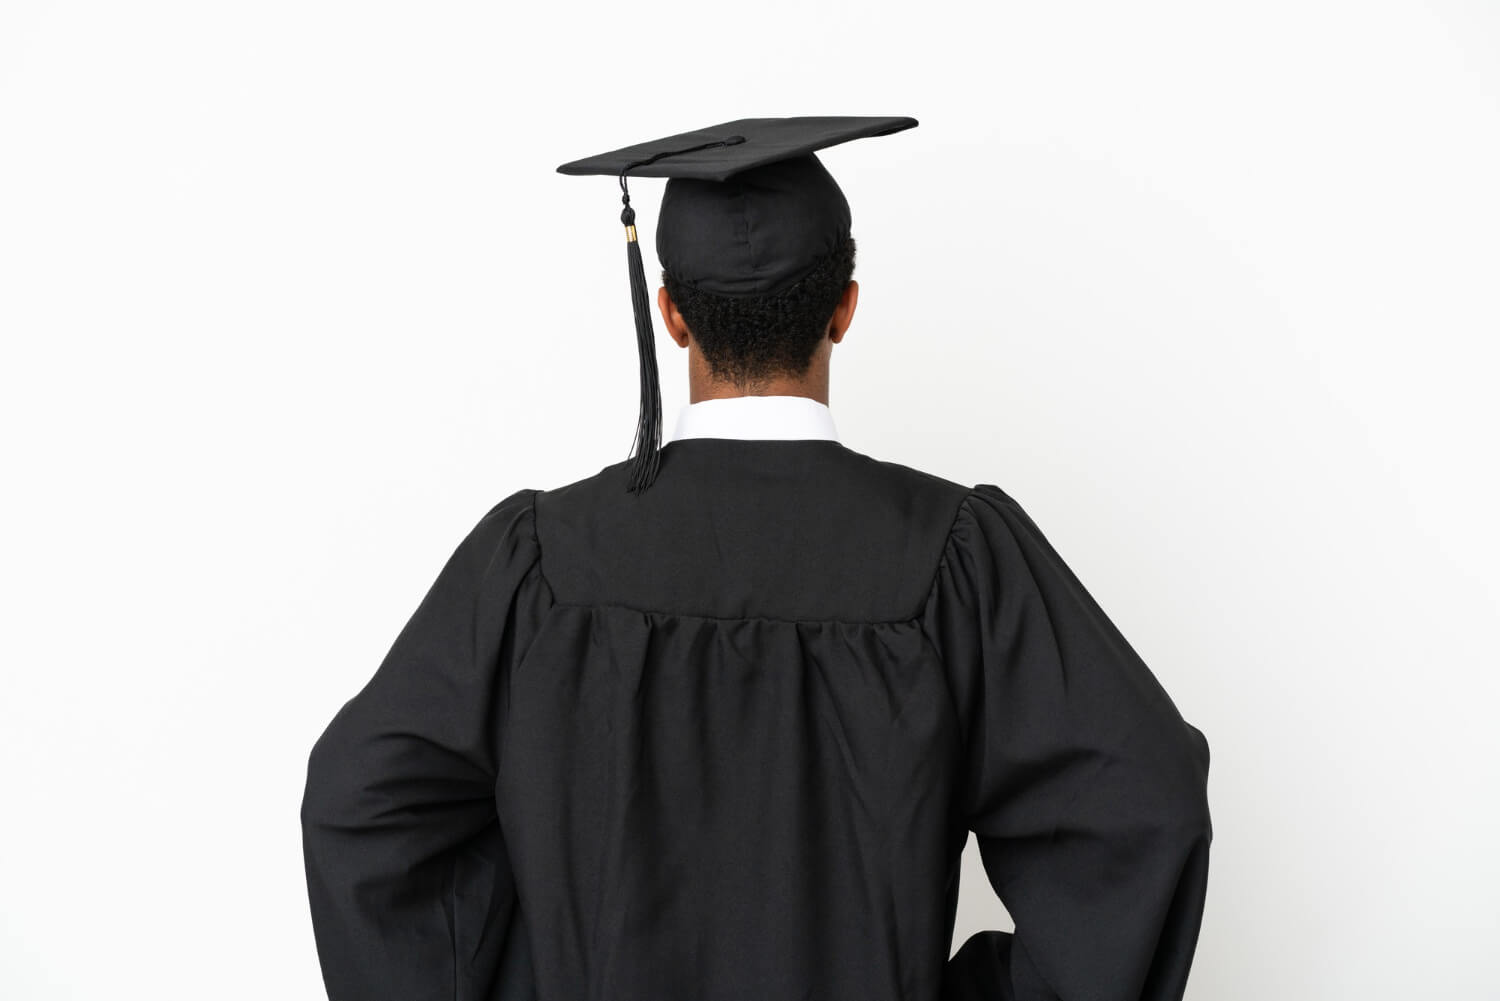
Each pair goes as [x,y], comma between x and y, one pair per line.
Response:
[749,339]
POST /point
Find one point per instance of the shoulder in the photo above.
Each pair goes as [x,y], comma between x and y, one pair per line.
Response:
[994,537]
[986,514]
[966,505]
[510,513]
[917,480]
[965,502]
[607,484]
[505,536]
[988,504]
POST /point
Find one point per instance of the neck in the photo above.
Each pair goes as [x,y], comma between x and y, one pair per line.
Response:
[703,386]
[721,391]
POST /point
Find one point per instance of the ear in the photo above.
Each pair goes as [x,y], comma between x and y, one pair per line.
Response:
[676,327]
[843,313]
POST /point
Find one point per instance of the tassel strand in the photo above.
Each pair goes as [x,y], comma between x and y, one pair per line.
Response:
[646,452]
[647,449]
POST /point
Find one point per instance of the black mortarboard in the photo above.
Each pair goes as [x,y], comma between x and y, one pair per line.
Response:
[748,209]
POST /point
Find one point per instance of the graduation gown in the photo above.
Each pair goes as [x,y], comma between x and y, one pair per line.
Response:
[725,740]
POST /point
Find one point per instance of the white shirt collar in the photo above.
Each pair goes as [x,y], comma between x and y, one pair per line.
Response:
[778,417]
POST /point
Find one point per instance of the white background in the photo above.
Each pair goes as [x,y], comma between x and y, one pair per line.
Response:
[291,295]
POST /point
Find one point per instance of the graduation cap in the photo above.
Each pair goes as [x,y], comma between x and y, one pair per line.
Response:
[748,210]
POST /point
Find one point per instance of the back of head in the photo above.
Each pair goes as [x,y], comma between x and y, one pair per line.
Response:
[756,264]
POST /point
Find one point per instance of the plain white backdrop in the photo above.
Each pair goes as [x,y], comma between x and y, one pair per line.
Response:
[291,295]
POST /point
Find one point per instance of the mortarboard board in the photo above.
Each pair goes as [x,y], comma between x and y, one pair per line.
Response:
[748,210]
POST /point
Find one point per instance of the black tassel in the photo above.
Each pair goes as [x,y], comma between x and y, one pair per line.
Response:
[647,450]
[646,458]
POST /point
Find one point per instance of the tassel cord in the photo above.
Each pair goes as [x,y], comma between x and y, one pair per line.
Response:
[646,451]
[647,448]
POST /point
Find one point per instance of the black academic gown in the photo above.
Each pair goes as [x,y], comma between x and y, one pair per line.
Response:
[725,741]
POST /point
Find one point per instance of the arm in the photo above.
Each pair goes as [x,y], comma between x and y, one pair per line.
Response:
[1085,788]
[398,811]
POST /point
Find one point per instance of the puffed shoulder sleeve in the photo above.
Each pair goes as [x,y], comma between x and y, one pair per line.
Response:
[410,892]
[1085,788]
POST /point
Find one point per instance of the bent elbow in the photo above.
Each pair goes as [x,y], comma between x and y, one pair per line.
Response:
[323,791]
[1193,812]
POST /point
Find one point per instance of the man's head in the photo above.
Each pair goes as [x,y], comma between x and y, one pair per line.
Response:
[757,269]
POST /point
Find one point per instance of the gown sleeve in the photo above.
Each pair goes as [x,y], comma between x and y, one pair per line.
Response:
[1084,787]
[398,814]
